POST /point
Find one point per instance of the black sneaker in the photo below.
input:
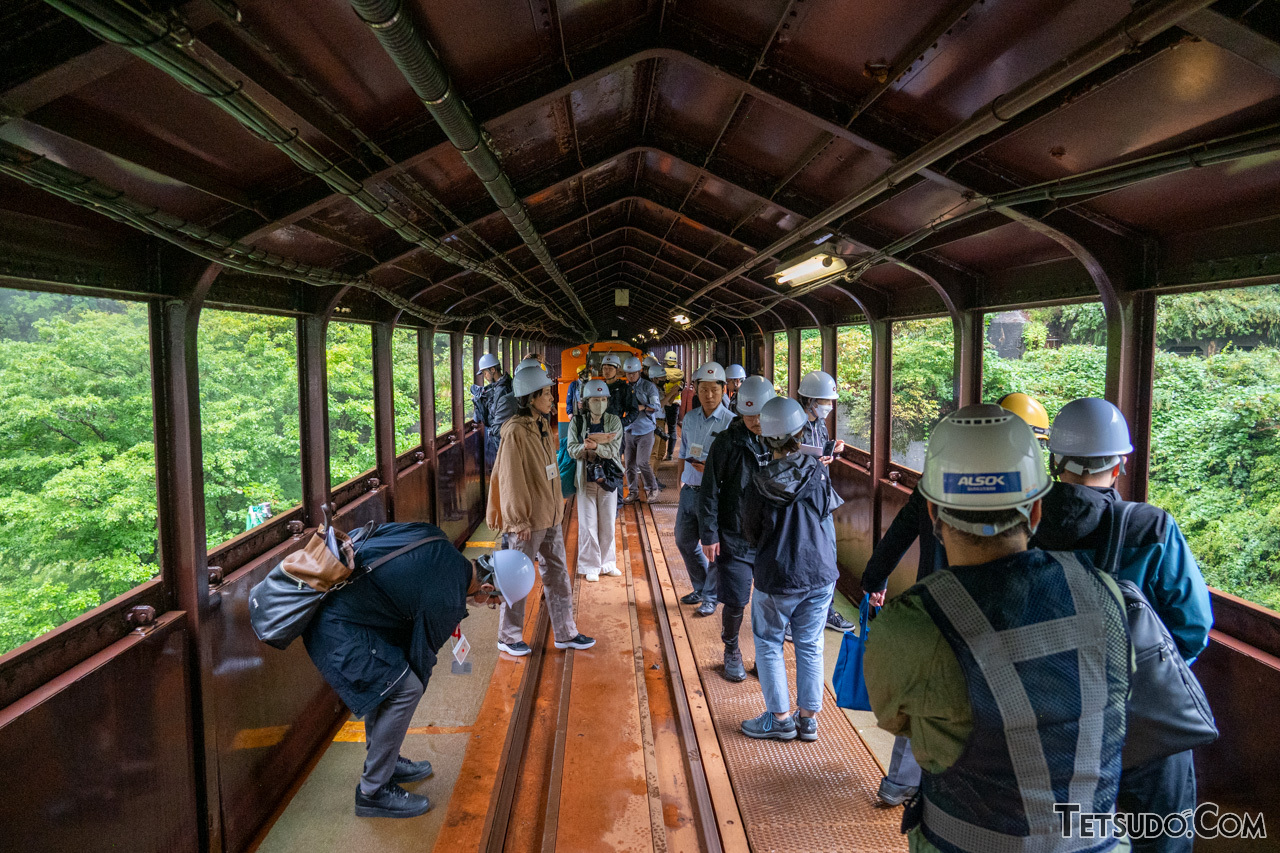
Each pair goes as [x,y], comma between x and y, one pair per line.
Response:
[806,727]
[580,641]
[786,633]
[411,771]
[660,433]
[768,727]
[893,794]
[519,649]
[391,801]
[691,598]
[706,608]
[733,669]
[836,622]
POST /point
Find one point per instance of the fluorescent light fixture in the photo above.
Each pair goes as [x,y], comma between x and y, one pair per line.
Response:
[621,297]
[811,267]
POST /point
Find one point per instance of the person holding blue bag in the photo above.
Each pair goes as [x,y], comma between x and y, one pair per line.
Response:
[794,573]
[848,679]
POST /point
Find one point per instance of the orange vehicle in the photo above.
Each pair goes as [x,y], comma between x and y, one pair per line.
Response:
[572,359]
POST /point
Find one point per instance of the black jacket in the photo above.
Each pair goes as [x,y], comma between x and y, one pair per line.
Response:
[621,401]
[368,634]
[912,522]
[1072,520]
[734,456]
[495,404]
[783,511]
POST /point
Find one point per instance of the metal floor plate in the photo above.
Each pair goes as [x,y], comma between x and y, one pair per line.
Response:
[793,796]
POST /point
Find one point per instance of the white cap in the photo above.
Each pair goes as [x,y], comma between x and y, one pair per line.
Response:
[513,574]
[528,362]
[781,417]
[595,388]
[735,371]
[709,372]
[817,385]
[528,380]
[983,457]
[753,394]
[632,365]
[488,360]
[611,358]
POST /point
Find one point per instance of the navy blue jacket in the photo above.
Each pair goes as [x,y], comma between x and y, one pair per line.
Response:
[733,458]
[783,511]
[368,634]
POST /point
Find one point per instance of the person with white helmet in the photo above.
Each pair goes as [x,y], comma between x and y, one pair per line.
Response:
[526,507]
[493,403]
[639,445]
[734,375]
[794,572]
[697,431]
[671,388]
[375,641]
[1088,441]
[969,663]
[597,503]
[620,402]
[736,453]
[817,395]
[657,375]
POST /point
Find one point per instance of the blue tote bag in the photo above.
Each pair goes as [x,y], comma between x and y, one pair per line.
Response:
[848,679]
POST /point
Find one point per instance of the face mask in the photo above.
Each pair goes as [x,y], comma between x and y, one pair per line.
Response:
[777,442]
[597,406]
[822,409]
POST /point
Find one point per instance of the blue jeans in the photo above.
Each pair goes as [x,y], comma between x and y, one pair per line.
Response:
[807,613]
[904,771]
[704,576]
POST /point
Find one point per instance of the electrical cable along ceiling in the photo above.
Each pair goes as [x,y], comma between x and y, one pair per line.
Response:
[498,168]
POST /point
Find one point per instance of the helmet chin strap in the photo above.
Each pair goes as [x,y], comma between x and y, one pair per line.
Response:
[980,529]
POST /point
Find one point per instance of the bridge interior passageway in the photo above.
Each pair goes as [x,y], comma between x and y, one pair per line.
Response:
[599,757]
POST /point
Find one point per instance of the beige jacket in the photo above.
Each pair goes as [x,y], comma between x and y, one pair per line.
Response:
[521,495]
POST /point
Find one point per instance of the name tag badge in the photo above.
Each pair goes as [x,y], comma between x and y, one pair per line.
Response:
[551,472]
[695,451]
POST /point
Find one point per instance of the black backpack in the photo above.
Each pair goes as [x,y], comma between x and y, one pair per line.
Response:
[1168,712]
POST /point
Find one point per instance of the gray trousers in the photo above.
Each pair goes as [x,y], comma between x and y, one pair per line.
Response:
[384,730]
[638,450]
[555,587]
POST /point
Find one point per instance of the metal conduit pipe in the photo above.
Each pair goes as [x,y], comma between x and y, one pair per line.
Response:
[156,44]
[417,60]
[1139,26]
[40,172]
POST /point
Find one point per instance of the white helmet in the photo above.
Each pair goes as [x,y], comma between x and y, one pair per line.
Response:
[513,574]
[754,393]
[817,385]
[980,458]
[611,358]
[657,371]
[595,388]
[529,380]
[709,372]
[528,362]
[1090,427]
[781,417]
[632,365]
[671,355]
[488,360]
[735,371]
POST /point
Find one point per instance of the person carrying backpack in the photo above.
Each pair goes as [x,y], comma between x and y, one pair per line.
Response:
[1088,441]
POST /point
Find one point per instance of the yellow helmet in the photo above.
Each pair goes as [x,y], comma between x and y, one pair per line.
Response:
[1030,410]
[671,355]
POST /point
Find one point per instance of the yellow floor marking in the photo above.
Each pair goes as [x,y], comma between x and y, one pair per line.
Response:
[482,544]
[352,731]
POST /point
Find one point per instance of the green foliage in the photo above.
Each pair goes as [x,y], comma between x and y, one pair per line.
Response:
[810,351]
[923,371]
[77,462]
[349,360]
[781,364]
[444,384]
[408,390]
[248,417]
[853,382]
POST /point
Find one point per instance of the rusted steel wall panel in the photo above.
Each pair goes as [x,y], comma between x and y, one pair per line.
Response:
[105,752]
[274,708]
[1238,771]
[452,511]
[413,493]
[366,508]
[474,486]
[853,523]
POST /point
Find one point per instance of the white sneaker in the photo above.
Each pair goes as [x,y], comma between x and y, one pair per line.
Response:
[611,571]
[592,577]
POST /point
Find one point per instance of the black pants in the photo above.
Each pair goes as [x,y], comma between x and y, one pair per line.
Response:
[672,413]
[1165,786]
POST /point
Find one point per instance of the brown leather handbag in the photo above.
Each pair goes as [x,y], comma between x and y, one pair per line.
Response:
[316,564]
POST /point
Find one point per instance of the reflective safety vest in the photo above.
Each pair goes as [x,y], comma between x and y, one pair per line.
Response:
[1044,649]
